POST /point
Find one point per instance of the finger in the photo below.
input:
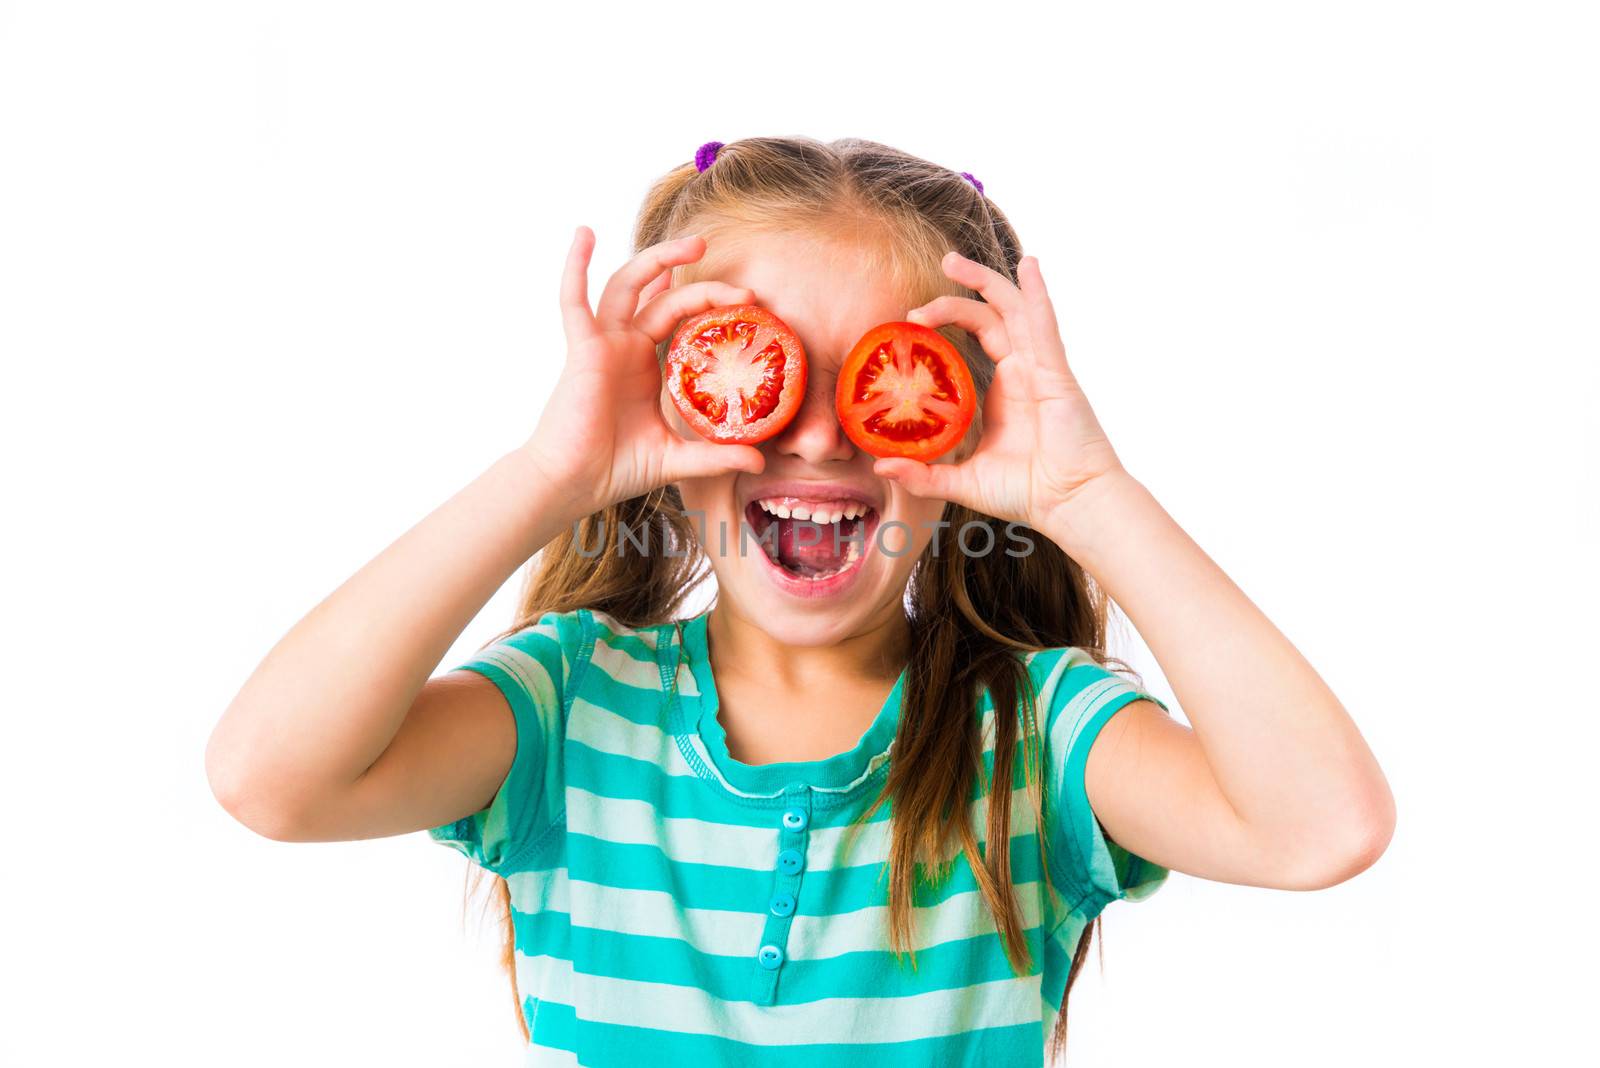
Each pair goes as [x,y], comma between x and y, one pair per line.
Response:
[699,459]
[977,318]
[945,482]
[576,319]
[659,284]
[1043,330]
[995,287]
[620,298]
[661,315]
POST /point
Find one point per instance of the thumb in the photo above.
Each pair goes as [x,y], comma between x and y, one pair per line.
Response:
[699,459]
[943,481]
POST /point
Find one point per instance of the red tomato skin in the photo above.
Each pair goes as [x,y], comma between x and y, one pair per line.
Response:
[958,413]
[793,391]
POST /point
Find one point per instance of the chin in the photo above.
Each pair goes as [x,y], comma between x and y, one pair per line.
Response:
[811,617]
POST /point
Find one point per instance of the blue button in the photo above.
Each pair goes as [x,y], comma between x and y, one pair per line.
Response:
[794,819]
[790,861]
[769,957]
[782,904]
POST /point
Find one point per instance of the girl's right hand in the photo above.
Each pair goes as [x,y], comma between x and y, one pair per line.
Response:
[603,432]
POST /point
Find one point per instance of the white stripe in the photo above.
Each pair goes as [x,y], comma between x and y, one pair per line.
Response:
[600,728]
[688,685]
[685,839]
[540,976]
[1080,709]
[624,668]
[728,933]
[657,914]
[668,1007]
[732,934]
[620,629]
[528,671]
[547,979]
[537,891]
[534,972]
[959,916]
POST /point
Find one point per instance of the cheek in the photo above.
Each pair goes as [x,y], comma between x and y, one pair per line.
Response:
[964,448]
[696,493]
[709,501]
[920,515]
[669,412]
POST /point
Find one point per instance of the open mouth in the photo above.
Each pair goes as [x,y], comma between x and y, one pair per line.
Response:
[812,541]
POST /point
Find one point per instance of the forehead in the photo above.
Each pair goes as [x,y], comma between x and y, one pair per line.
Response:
[829,292]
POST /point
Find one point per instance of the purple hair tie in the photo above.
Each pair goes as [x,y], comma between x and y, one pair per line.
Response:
[976,184]
[706,155]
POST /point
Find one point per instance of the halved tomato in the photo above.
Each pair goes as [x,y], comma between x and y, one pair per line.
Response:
[737,374]
[904,390]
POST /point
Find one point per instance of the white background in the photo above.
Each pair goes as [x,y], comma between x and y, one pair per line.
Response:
[277,278]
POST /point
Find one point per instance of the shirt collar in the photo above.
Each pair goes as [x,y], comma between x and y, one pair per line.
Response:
[840,772]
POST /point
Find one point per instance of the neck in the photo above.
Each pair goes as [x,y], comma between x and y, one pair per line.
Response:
[740,648]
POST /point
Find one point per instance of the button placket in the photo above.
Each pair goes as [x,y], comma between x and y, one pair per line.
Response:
[793,824]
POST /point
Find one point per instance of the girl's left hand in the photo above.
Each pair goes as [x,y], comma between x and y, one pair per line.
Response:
[1042,447]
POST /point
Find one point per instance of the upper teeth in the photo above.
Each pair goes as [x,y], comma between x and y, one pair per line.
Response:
[817,513]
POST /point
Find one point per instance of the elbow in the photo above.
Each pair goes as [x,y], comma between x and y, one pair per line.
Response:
[246,798]
[1349,846]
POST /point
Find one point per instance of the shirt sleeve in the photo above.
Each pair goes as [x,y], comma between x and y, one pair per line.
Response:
[533,669]
[1088,867]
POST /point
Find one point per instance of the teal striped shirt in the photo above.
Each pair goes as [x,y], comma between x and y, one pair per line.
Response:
[672,905]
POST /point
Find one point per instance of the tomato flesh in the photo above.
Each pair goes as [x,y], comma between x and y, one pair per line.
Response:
[904,390]
[736,374]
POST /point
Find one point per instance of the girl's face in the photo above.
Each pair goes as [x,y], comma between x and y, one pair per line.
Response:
[829,295]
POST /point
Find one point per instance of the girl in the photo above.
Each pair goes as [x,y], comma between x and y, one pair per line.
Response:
[867,807]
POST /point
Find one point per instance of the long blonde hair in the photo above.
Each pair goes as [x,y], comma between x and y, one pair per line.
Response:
[969,616]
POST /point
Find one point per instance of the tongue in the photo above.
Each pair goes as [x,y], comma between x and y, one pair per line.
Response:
[811,545]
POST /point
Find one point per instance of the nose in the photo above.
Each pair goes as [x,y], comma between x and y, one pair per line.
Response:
[814,435]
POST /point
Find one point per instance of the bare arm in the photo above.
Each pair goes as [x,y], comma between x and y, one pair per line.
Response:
[289,755]
[339,733]
[1274,785]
